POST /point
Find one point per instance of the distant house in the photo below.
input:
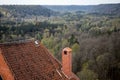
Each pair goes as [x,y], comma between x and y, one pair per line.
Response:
[31,61]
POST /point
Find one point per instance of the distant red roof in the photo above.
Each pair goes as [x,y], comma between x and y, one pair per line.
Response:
[31,61]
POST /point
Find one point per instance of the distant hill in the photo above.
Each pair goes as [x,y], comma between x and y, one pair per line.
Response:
[68,8]
[48,10]
[102,8]
[107,9]
[26,10]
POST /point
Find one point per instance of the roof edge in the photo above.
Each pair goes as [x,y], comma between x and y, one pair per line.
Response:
[18,42]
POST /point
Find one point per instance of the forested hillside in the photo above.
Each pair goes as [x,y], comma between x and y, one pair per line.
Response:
[94,37]
[102,8]
[27,10]
[69,8]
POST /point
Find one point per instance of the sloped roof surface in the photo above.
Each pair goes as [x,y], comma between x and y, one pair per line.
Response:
[30,61]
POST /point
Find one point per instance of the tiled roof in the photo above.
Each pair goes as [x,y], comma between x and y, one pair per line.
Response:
[30,61]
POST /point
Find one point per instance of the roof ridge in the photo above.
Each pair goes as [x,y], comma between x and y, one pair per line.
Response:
[18,42]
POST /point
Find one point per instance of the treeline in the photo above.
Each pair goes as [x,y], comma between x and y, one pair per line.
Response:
[10,30]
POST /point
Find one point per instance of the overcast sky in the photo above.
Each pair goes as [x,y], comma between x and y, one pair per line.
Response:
[58,2]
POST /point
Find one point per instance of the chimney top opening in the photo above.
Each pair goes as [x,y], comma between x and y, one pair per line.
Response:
[65,52]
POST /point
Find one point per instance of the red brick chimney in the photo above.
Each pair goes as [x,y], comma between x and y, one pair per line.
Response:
[67,61]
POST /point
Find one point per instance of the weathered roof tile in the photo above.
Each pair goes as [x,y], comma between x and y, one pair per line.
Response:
[30,62]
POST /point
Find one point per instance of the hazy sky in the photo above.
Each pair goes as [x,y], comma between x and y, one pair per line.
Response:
[58,2]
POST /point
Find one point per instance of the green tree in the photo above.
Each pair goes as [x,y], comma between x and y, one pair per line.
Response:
[87,74]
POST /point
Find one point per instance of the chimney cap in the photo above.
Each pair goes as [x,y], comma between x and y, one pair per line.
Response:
[67,49]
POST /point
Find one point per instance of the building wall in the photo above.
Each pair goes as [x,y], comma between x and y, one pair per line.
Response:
[5,72]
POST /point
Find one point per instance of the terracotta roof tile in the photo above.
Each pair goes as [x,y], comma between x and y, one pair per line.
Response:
[30,62]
